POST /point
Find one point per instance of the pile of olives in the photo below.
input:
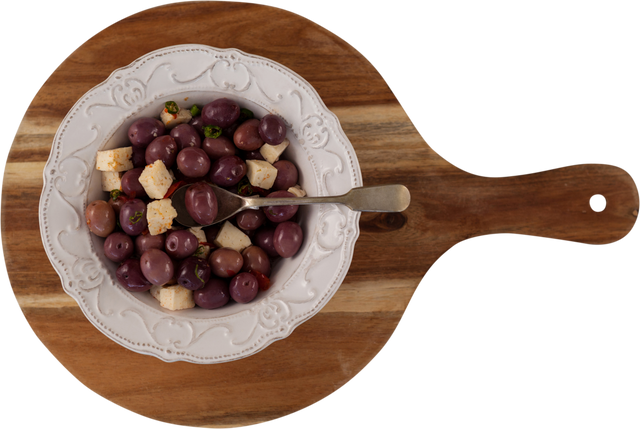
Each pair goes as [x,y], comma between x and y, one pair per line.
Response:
[213,148]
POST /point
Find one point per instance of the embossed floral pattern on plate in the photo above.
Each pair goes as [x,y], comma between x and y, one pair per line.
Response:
[191,74]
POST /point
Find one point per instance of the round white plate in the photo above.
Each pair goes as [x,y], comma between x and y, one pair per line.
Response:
[190,74]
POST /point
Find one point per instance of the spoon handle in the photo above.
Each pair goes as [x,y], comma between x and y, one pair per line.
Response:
[385,198]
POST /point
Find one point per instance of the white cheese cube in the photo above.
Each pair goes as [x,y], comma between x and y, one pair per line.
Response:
[115,159]
[173,119]
[261,173]
[111,180]
[156,180]
[230,236]
[297,191]
[202,251]
[160,216]
[174,297]
[272,153]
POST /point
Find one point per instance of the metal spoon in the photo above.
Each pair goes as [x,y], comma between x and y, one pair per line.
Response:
[385,198]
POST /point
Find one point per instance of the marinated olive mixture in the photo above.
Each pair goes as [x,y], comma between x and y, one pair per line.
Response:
[208,266]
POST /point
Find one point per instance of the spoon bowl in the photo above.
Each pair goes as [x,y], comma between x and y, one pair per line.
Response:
[385,198]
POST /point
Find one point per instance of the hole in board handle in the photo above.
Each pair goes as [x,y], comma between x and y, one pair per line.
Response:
[599,203]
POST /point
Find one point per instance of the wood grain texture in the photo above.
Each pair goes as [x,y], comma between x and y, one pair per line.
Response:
[448,206]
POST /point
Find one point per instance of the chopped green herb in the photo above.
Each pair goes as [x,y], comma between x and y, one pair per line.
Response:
[245,191]
[115,194]
[245,114]
[172,107]
[212,131]
[197,275]
[244,187]
[195,110]
[137,216]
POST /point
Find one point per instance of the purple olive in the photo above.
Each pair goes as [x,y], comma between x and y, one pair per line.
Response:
[186,135]
[101,219]
[280,213]
[164,148]
[133,217]
[201,203]
[263,238]
[156,266]
[218,147]
[193,162]
[129,275]
[144,130]
[243,288]
[193,273]
[287,176]
[256,259]
[118,246]
[148,241]
[180,244]
[214,294]
[272,129]
[247,137]
[221,112]
[287,239]
[131,183]
[227,171]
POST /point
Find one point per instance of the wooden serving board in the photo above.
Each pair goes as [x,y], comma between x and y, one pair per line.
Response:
[448,206]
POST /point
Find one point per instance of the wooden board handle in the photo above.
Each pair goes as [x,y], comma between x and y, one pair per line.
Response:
[553,204]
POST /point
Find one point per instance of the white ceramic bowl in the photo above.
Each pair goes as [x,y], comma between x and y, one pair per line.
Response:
[190,74]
